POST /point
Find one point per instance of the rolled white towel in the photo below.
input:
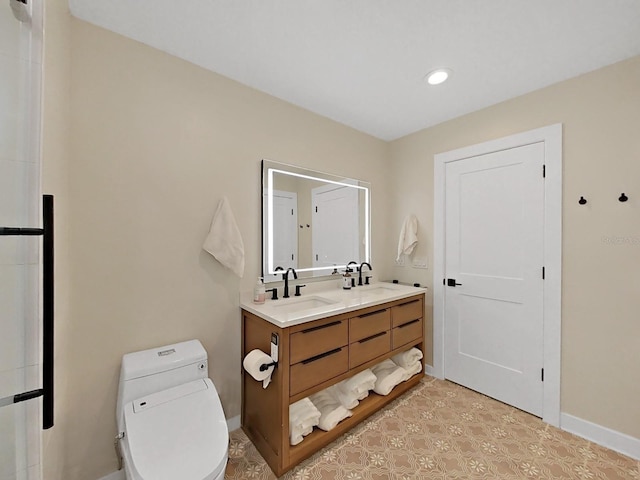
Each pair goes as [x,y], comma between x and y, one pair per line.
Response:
[361,383]
[413,369]
[365,393]
[303,411]
[297,435]
[346,398]
[388,375]
[408,358]
[331,412]
[303,416]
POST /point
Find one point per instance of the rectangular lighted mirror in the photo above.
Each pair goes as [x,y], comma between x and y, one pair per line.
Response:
[314,222]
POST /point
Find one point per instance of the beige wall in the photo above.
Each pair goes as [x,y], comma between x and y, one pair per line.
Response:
[156,142]
[55,168]
[600,112]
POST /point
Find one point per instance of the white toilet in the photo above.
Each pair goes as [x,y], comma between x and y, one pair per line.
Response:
[170,421]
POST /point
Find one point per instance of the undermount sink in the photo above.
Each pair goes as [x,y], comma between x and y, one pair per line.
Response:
[377,291]
[302,304]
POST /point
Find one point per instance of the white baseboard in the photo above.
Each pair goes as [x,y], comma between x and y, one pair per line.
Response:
[428,369]
[233,423]
[118,475]
[620,442]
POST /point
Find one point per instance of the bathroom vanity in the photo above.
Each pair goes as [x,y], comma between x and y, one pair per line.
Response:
[323,338]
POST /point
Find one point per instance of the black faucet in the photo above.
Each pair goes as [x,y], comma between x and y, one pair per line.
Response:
[285,277]
[360,272]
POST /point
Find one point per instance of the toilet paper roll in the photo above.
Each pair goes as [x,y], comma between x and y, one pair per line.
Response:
[252,363]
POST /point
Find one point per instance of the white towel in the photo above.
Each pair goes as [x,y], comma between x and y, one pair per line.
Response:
[388,375]
[303,412]
[346,398]
[224,241]
[298,433]
[412,370]
[408,236]
[408,358]
[359,385]
[303,416]
[331,412]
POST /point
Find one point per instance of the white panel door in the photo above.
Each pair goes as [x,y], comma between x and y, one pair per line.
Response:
[285,223]
[494,253]
[335,209]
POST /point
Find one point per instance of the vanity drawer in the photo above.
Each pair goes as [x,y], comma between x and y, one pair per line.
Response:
[318,369]
[406,312]
[406,333]
[369,348]
[363,326]
[317,339]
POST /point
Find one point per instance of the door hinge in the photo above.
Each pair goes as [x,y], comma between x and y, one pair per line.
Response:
[544,171]
[316,209]
[543,273]
[542,375]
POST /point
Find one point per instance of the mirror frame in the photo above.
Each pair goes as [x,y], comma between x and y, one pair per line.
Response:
[270,167]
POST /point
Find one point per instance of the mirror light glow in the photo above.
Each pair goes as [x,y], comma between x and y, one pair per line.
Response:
[269,190]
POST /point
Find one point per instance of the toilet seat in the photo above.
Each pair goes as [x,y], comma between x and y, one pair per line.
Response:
[178,433]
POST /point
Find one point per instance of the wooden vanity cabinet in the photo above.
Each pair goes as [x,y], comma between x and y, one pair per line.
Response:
[314,356]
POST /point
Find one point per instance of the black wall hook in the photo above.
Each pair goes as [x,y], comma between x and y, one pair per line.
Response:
[582,200]
[623,198]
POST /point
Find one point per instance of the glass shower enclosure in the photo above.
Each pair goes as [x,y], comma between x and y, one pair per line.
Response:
[26,295]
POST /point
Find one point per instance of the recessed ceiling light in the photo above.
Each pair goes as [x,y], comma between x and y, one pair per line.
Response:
[436,77]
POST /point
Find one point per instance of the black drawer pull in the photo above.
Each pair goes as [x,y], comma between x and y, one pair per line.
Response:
[372,313]
[320,327]
[409,303]
[322,355]
[372,337]
[409,323]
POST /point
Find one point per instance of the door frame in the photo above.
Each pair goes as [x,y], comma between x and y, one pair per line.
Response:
[551,136]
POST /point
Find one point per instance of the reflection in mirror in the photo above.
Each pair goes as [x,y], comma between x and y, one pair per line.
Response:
[311,221]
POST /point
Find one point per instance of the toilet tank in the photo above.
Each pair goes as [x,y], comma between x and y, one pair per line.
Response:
[159,368]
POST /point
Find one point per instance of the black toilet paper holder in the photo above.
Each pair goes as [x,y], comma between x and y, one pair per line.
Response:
[265,366]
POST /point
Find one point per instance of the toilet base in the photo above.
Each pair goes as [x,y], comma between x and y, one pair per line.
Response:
[129,475]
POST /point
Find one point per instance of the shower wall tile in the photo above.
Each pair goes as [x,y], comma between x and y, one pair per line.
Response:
[19,304]
[18,209]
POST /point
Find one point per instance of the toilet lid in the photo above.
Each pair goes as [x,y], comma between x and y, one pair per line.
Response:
[180,433]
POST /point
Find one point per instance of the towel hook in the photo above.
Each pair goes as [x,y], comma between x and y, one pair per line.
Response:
[623,198]
[582,200]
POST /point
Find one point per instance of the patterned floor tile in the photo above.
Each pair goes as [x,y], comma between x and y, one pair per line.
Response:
[441,430]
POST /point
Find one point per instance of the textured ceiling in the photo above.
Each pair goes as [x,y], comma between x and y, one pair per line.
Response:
[363,62]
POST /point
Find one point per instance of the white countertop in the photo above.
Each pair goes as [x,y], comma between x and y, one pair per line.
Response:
[324,300]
